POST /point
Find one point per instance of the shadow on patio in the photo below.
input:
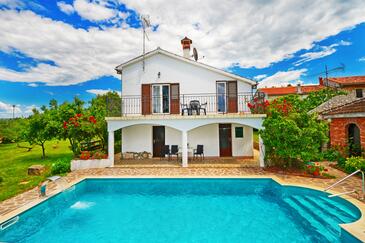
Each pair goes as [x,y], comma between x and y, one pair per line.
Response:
[198,163]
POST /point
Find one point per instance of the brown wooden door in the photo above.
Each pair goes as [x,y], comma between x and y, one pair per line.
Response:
[174,98]
[158,140]
[225,140]
[232,96]
[146,99]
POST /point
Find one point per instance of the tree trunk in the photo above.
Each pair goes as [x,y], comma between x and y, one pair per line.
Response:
[43,151]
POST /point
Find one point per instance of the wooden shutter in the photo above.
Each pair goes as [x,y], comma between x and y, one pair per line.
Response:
[174,99]
[232,96]
[146,99]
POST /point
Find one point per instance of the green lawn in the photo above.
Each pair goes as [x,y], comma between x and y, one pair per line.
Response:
[15,161]
[256,136]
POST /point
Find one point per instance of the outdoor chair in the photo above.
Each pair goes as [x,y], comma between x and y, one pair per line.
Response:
[165,151]
[199,151]
[185,107]
[195,106]
[203,107]
[175,151]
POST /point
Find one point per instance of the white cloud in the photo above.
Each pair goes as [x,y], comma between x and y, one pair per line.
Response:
[93,10]
[6,110]
[325,51]
[102,91]
[33,85]
[12,3]
[246,33]
[282,78]
[260,76]
[66,8]
[362,59]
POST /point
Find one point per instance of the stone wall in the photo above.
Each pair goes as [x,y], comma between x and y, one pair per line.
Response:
[137,155]
[339,130]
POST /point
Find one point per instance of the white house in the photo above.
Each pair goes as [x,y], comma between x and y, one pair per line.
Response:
[168,99]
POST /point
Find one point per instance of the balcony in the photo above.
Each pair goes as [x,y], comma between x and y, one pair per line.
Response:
[183,104]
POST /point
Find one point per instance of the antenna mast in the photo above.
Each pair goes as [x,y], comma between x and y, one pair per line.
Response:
[145,19]
[327,71]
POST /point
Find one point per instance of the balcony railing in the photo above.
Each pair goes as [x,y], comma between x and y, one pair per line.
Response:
[181,104]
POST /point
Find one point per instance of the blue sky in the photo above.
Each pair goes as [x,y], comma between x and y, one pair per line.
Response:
[61,49]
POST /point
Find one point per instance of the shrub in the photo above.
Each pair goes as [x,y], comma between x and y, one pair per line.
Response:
[85,155]
[331,154]
[61,166]
[354,163]
[341,162]
[1,179]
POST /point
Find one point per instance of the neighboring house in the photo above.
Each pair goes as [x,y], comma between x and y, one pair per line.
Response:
[345,83]
[159,90]
[302,90]
[346,115]
[356,83]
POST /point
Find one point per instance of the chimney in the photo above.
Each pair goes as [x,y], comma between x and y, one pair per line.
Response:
[299,88]
[186,42]
[321,81]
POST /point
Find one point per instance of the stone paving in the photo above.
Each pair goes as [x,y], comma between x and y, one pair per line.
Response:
[20,200]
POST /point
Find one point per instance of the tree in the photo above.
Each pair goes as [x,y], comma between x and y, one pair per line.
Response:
[291,135]
[40,128]
[10,130]
[101,107]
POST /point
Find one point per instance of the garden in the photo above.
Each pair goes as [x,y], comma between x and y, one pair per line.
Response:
[52,137]
[295,139]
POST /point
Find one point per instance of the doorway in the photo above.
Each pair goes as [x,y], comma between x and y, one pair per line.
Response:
[354,140]
[158,138]
[225,140]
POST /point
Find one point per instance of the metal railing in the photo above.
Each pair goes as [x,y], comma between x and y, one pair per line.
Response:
[211,103]
[345,178]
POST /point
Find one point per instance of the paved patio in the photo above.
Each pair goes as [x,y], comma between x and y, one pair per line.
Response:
[28,197]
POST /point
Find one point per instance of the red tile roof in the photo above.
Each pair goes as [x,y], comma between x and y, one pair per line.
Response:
[348,80]
[356,106]
[290,89]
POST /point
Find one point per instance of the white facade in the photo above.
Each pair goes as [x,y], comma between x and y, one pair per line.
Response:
[138,138]
[194,78]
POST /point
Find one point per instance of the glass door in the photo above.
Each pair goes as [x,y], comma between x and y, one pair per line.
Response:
[160,98]
[221,97]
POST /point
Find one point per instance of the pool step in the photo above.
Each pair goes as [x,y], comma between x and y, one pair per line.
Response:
[320,214]
[340,207]
[319,226]
[341,215]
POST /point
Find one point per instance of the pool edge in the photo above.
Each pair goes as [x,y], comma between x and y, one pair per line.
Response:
[356,228]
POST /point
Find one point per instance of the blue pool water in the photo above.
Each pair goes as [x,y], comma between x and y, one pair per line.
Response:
[184,210]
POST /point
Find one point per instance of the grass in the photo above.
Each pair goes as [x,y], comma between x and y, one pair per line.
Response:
[15,161]
[256,136]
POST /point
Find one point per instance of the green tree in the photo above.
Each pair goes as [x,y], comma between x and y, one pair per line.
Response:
[10,130]
[315,99]
[100,107]
[291,135]
[40,128]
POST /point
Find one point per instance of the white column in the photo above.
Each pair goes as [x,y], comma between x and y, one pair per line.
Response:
[262,152]
[121,144]
[184,145]
[111,147]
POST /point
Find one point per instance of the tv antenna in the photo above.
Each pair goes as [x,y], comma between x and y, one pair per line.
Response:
[328,71]
[145,19]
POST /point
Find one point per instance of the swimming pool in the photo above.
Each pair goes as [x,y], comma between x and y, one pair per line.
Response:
[184,210]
